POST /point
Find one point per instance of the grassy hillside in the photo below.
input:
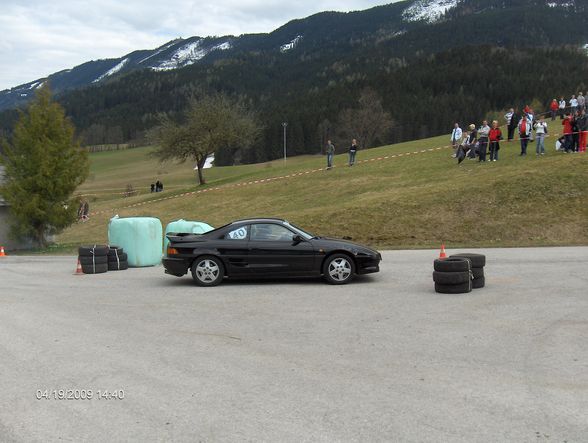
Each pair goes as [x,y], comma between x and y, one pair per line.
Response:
[409,201]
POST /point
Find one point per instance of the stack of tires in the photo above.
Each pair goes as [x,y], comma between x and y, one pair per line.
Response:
[459,274]
[117,259]
[94,259]
[478,262]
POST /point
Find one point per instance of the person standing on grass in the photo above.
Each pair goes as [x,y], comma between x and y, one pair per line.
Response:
[524,132]
[514,121]
[455,138]
[573,104]
[562,108]
[567,132]
[483,141]
[330,154]
[494,136]
[472,140]
[508,118]
[582,123]
[352,152]
[540,133]
[575,131]
[581,101]
[553,107]
[531,119]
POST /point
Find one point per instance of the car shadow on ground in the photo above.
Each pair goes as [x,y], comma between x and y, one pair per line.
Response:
[187,281]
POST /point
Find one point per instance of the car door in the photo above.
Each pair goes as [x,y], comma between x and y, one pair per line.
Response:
[234,250]
[272,251]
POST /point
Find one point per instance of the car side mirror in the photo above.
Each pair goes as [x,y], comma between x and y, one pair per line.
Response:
[297,239]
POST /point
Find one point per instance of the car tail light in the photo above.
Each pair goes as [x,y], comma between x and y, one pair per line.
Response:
[172,251]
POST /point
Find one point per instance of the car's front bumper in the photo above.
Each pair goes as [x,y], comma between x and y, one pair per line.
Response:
[368,264]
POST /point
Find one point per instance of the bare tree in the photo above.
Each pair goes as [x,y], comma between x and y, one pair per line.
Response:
[366,123]
[212,122]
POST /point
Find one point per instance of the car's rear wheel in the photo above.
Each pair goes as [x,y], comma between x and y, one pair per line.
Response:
[338,269]
[208,271]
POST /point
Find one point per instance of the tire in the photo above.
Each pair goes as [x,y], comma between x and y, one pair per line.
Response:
[478,260]
[478,272]
[94,250]
[98,269]
[452,265]
[451,278]
[338,269]
[478,283]
[88,261]
[122,256]
[115,266]
[208,270]
[462,288]
[114,248]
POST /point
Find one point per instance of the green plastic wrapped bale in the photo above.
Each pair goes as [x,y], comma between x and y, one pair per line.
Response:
[140,237]
[184,227]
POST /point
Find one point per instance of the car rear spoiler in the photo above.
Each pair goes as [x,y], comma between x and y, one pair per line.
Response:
[182,237]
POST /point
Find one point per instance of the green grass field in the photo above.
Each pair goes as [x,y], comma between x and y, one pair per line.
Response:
[412,201]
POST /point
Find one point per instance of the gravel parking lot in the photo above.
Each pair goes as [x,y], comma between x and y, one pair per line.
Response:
[384,358]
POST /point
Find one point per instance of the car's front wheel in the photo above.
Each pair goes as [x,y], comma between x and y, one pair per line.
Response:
[338,269]
[207,271]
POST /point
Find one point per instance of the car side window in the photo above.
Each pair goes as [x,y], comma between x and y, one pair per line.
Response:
[237,234]
[270,232]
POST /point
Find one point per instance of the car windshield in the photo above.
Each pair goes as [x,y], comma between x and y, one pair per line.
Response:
[299,231]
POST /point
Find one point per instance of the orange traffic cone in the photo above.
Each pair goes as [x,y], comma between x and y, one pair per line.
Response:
[79,269]
[442,254]
[2,254]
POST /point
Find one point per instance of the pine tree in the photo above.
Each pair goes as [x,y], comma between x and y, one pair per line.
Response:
[44,165]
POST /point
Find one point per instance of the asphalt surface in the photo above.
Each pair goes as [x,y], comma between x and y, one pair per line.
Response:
[382,359]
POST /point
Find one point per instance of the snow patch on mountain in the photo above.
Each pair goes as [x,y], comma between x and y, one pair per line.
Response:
[112,70]
[428,10]
[159,51]
[189,54]
[569,4]
[291,45]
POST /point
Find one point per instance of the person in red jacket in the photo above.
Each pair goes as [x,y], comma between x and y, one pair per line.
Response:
[494,137]
[568,132]
[553,107]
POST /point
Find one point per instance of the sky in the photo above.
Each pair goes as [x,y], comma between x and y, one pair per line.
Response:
[40,37]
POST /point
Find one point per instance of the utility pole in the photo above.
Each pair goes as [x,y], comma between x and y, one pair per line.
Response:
[285,125]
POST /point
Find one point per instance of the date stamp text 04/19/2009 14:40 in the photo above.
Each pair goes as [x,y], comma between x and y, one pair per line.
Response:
[80,394]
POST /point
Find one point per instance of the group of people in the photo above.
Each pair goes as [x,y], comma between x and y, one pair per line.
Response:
[575,104]
[330,150]
[478,142]
[157,186]
[475,142]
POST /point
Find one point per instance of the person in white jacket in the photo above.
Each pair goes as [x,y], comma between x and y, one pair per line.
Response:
[540,133]
[456,138]
[573,104]
[562,108]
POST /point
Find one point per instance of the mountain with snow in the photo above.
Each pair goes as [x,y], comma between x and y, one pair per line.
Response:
[404,28]
[176,54]
[428,10]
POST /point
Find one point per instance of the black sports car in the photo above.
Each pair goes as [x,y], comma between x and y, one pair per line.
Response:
[266,247]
